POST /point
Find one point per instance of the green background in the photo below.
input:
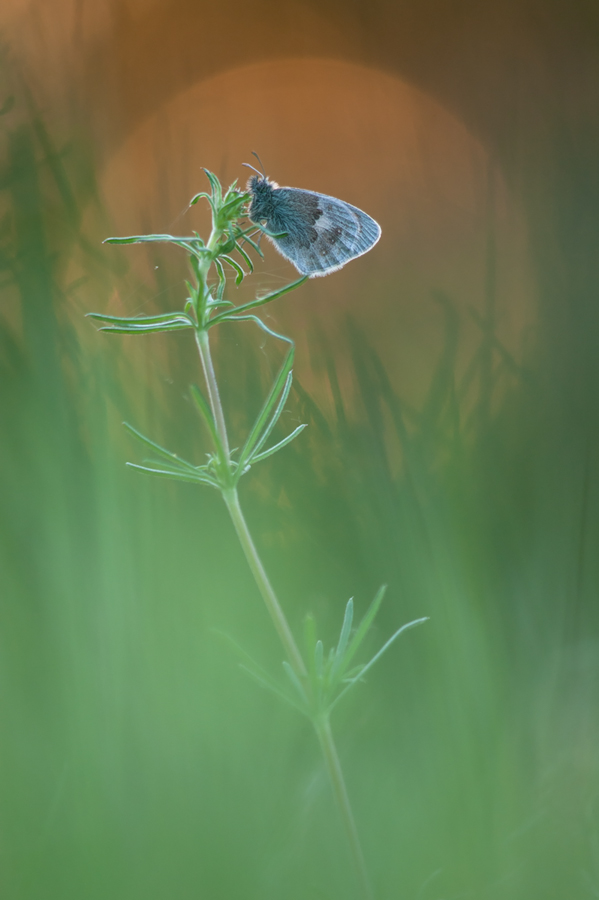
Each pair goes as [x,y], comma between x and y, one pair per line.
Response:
[137,760]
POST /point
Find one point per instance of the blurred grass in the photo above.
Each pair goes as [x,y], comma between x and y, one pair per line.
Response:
[137,761]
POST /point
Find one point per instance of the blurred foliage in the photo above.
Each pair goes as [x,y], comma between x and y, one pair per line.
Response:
[137,760]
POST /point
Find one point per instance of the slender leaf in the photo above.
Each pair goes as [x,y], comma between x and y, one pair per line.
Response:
[266,453]
[260,301]
[377,656]
[145,329]
[318,659]
[245,236]
[201,472]
[362,630]
[175,476]
[247,258]
[217,192]
[199,196]
[189,243]
[222,278]
[214,304]
[267,408]
[275,235]
[142,320]
[234,265]
[310,641]
[259,323]
[348,619]
[276,414]
[162,451]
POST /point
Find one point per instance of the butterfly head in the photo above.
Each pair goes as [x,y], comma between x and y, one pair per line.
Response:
[261,188]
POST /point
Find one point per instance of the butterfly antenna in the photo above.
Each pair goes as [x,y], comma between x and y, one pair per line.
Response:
[247,165]
[260,162]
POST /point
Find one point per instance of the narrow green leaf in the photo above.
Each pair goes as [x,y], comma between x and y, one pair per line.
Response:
[348,619]
[145,329]
[222,278]
[234,265]
[233,205]
[318,659]
[377,656]
[247,258]
[162,451]
[246,237]
[215,185]
[235,318]
[266,453]
[276,235]
[266,410]
[199,196]
[201,473]
[142,320]
[194,264]
[260,301]
[363,628]
[175,476]
[275,416]
[215,304]
[226,246]
[310,640]
[187,242]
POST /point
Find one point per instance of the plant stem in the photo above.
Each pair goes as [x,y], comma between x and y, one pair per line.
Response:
[321,723]
[322,726]
[270,598]
[203,343]
[231,498]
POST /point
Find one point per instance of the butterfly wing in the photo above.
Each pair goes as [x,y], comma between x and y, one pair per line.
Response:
[323,233]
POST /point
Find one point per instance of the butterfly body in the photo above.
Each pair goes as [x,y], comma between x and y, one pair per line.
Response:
[317,233]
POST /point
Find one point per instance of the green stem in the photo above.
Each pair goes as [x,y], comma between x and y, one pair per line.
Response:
[270,598]
[329,751]
[203,343]
[231,498]
[322,723]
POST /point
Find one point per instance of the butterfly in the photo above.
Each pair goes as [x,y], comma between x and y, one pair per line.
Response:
[317,233]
